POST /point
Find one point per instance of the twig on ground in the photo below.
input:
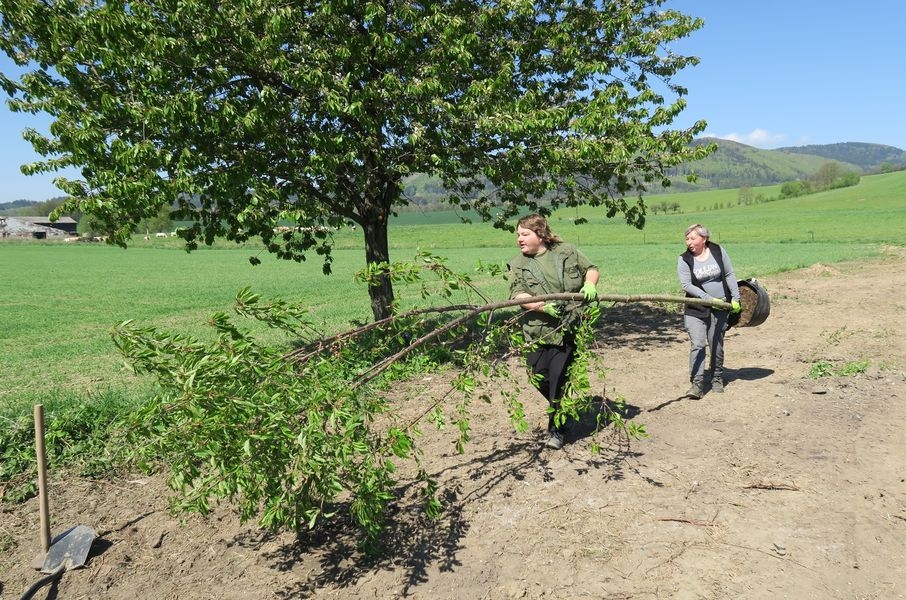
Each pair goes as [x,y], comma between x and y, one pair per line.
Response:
[784,557]
[768,485]
[691,489]
[689,521]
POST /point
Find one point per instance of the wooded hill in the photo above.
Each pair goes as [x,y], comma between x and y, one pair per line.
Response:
[736,165]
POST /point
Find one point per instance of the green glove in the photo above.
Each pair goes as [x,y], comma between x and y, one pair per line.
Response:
[590,291]
[737,307]
[552,310]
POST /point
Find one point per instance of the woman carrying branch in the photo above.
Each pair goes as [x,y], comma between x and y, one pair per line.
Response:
[705,272]
[547,265]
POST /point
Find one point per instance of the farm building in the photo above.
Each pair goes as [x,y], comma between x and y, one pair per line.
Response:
[36,227]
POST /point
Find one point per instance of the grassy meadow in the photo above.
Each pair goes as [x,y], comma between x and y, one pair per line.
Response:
[61,300]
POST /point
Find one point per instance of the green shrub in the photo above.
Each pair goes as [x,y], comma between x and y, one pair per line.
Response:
[824,368]
[84,438]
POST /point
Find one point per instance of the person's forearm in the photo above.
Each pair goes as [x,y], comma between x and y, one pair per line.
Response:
[685,279]
[539,306]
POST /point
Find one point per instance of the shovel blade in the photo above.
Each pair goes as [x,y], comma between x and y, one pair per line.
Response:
[70,549]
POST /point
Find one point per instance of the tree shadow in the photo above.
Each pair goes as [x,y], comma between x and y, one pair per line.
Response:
[640,326]
[413,542]
[598,418]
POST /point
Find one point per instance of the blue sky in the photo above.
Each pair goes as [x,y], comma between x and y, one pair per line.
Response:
[797,72]
[772,74]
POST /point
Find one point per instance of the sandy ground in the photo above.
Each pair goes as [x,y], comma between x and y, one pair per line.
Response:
[782,487]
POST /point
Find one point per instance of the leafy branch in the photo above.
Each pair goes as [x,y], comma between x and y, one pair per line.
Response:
[291,436]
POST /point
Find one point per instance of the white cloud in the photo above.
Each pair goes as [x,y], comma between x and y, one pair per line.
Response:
[760,138]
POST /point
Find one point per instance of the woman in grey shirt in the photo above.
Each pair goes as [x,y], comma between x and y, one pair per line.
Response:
[705,271]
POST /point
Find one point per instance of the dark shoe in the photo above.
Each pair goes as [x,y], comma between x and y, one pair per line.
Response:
[696,391]
[717,386]
[554,440]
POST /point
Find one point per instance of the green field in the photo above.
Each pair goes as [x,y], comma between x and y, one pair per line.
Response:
[60,300]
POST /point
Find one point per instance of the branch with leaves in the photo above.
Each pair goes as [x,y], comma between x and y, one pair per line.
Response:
[290,437]
[472,311]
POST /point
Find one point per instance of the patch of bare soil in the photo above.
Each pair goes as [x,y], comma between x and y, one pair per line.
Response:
[781,487]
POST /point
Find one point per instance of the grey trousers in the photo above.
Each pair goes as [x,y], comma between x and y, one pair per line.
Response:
[707,338]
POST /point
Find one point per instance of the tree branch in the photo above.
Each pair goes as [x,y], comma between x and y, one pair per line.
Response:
[473,310]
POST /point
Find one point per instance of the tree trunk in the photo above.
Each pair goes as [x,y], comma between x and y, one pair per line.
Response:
[377,250]
[382,190]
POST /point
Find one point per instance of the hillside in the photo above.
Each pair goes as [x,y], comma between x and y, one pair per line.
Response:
[733,165]
[870,157]
[736,165]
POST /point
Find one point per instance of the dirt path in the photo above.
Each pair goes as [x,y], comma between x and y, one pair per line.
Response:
[782,487]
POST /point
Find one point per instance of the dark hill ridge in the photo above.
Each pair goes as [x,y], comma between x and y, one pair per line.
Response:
[869,157]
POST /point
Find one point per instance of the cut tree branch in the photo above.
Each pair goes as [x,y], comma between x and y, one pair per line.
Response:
[472,311]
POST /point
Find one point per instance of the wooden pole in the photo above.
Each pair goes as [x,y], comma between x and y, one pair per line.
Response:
[719,304]
[42,477]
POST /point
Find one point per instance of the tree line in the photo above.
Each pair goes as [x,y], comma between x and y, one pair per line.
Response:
[830,176]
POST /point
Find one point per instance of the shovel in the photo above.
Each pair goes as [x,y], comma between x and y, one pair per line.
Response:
[68,550]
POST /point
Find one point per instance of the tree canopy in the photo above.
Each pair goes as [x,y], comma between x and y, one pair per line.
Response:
[242,115]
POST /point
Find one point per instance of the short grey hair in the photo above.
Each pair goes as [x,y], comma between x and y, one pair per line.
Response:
[699,229]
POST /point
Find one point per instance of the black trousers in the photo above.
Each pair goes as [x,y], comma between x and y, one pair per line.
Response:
[551,363]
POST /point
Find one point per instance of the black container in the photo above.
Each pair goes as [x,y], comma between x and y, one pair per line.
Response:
[756,304]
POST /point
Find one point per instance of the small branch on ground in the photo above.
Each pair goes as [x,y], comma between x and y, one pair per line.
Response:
[689,521]
[767,485]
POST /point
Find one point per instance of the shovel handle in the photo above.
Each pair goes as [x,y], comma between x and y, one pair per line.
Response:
[41,454]
[53,576]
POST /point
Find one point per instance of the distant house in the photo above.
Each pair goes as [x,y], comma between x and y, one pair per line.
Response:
[67,224]
[37,227]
